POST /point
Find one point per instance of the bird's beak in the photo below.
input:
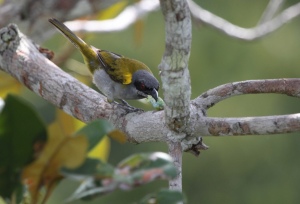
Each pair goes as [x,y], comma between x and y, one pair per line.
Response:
[154,94]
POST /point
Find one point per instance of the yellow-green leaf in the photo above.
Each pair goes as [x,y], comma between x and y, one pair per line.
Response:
[59,151]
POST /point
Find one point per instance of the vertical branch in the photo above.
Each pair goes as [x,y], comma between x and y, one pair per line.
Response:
[175,78]
[175,151]
[272,8]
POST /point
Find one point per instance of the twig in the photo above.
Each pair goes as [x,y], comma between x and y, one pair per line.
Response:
[270,11]
[247,34]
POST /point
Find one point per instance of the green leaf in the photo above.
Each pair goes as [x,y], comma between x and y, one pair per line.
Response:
[164,196]
[90,168]
[21,129]
[19,193]
[95,131]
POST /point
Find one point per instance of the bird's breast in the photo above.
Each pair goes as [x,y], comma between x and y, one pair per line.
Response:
[112,89]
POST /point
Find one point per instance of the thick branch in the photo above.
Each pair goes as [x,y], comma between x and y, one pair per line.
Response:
[20,58]
[174,65]
[176,78]
[247,34]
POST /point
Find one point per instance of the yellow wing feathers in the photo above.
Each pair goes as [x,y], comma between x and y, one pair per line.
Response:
[119,68]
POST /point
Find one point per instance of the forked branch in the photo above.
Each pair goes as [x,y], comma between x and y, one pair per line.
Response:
[247,34]
[20,58]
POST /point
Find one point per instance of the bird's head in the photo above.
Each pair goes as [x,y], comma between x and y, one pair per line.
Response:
[145,83]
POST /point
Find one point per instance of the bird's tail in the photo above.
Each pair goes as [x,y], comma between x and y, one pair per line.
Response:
[88,52]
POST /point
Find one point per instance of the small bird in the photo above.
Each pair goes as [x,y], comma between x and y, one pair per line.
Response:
[116,76]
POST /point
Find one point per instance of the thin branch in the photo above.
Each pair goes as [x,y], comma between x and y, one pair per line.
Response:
[126,18]
[290,87]
[247,34]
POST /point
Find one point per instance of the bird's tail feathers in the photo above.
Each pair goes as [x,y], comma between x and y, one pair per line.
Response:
[86,50]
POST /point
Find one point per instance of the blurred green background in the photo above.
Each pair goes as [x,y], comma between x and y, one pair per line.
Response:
[239,169]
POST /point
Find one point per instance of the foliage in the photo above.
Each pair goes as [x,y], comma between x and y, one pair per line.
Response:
[133,171]
[22,136]
[32,159]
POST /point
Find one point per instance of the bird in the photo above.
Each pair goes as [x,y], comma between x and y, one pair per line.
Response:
[116,76]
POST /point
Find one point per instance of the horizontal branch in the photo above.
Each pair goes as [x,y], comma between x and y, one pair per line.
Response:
[20,58]
[247,34]
[127,17]
[264,125]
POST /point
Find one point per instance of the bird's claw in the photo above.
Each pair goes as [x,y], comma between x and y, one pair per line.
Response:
[126,105]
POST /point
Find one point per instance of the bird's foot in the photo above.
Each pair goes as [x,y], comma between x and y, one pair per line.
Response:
[128,107]
[133,109]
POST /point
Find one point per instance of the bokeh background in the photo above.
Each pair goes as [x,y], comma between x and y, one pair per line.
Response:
[236,169]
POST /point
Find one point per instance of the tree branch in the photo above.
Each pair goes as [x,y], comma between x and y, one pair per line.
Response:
[31,15]
[20,58]
[128,16]
[270,11]
[174,65]
[290,87]
[266,125]
[176,78]
[247,34]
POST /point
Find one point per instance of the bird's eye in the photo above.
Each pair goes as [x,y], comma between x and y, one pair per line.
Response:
[140,86]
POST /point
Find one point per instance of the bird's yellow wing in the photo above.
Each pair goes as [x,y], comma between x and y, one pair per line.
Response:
[118,67]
